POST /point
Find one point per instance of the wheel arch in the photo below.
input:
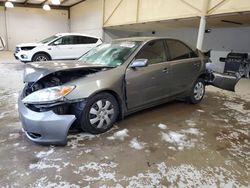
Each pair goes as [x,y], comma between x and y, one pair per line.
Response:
[41,52]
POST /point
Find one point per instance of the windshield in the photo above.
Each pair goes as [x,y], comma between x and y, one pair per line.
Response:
[49,39]
[110,54]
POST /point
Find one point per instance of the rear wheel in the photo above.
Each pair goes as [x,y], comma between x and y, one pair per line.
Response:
[100,113]
[198,92]
[41,57]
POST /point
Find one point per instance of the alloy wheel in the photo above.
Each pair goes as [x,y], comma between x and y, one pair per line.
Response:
[41,58]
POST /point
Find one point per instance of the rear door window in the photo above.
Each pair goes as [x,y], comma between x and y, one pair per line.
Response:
[179,50]
[85,40]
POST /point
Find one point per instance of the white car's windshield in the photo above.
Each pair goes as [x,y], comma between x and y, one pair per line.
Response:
[44,41]
[110,54]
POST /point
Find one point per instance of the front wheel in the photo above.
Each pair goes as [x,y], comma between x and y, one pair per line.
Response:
[198,92]
[100,113]
[41,57]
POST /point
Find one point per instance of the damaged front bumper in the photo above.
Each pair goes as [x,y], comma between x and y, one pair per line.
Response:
[45,127]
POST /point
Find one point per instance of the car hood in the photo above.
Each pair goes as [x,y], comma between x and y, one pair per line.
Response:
[29,44]
[35,71]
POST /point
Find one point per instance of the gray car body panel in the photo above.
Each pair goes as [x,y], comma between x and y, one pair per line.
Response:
[53,128]
[127,83]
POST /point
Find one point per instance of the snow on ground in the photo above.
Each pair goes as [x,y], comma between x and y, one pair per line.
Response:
[13,136]
[77,140]
[238,111]
[162,126]
[119,135]
[44,182]
[184,175]
[201,111]
[43,154]
[135,144]
[238,144]
[190,123]
[182,139]
[94,171]
[43,164]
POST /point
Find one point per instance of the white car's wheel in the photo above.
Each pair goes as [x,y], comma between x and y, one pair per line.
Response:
[41,57]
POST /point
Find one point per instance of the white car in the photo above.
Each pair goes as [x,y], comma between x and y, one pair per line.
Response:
[57,47]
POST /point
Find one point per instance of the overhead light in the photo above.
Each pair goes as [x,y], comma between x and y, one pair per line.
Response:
[46,7]
[56,2]
[9,4]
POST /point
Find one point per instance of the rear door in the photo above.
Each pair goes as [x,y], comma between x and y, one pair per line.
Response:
[62,48]
[83,44]
[148,84]
[185,65]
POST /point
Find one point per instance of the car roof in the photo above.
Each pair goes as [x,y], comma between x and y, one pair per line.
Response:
[81,34]
[142,39]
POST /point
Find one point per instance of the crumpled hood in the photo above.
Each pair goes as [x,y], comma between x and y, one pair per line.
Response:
[35,71]
[29,44]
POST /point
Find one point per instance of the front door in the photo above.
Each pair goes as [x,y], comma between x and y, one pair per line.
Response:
[148,84]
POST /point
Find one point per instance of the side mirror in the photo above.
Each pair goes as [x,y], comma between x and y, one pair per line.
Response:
[139,63]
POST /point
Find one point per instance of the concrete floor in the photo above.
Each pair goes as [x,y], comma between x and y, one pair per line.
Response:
[173,145]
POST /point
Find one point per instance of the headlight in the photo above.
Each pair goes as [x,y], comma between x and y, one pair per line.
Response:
[48,95]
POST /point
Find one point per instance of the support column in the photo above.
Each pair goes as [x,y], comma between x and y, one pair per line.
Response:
[201,32]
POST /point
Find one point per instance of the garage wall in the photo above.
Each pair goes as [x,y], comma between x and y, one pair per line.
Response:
[33,24]
[110,34]
[2,24]
[220,39]
[86,17]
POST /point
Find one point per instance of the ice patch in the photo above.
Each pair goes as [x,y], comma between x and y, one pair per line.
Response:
[75,140]
[190,123]
[43,154]
[42,165]
[182,139]
[100,171]
[119,135]
[162,126]
[13,136]
[193,131]
[183,176]
[201,111]
[44,182]
[134,143]
[240,114]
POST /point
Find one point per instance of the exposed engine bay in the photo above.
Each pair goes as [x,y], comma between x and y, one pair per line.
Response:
[58,78]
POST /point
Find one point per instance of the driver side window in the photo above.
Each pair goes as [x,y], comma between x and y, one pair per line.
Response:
[153,51]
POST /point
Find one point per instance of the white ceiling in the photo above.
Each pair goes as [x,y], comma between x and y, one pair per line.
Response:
[226,20]
[28,3]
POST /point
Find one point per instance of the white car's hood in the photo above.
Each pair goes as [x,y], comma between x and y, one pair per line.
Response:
[29,44]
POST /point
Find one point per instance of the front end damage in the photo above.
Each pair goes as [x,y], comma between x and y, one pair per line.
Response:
[49,122]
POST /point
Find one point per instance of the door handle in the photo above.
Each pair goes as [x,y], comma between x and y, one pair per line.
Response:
[165,70]
[196,64]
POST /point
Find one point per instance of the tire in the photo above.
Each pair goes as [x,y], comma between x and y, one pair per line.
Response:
[99,113]
[198,91]
[41,57]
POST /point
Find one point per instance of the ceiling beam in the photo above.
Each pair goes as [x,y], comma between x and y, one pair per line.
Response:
[42,2]
[28,5]
[77,3]
[64,1]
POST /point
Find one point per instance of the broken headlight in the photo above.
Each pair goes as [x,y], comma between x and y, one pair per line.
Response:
[48,95]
